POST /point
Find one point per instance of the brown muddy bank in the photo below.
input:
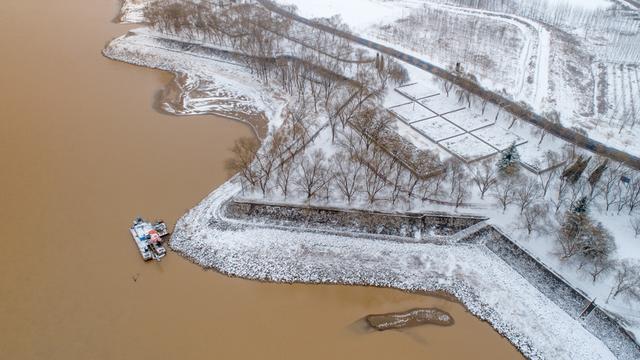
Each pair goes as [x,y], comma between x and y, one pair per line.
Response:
[174,99]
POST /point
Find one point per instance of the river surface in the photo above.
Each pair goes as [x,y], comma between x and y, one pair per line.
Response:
[82,152]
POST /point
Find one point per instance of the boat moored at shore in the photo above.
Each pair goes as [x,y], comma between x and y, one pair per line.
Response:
[149,238]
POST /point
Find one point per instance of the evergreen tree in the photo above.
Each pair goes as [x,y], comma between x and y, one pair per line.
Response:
[581,206]
[508,163]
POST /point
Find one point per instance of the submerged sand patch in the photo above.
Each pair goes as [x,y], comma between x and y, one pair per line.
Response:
[411,318]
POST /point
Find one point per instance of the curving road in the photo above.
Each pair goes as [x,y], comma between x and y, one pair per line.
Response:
[514,108]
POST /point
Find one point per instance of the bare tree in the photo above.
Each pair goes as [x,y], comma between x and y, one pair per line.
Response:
[447,86]
[299,111]
[620,192]
[635,224]
[455,172]
[284,174]
[347,175]
[244,152]
[551,161]
[554,118]
[577,191]
[266,162]
[626,280]
[376,167]
[561,198]
[533,218]
[431,186]
[632,197]
[503,192]
[526,193]
[397,174]
[599,266]
[412,182]
[313,174]
[485,176]
[609,186]
[330,85]
[460,192]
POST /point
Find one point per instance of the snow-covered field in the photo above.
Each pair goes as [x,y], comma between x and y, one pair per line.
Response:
[465,132]
[498,137]
[468,147]
[441,104]
[438,129]
[469,120]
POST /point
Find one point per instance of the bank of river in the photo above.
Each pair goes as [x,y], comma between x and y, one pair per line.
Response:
[82,153]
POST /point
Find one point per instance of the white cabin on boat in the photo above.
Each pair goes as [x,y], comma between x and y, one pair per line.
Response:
[148,238]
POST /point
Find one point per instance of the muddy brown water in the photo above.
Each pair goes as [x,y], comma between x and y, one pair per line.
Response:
[82,152]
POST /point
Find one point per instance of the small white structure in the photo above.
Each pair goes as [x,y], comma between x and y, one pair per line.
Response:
[148,238]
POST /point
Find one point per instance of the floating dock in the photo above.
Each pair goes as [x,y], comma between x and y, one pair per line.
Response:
[148,238]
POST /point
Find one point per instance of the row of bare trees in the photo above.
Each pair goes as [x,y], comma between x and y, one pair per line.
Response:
[359,169]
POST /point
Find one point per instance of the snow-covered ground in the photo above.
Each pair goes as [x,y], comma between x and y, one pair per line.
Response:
[485,284]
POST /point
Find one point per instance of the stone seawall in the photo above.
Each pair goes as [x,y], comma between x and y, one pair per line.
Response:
[406,224]
[558,290]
